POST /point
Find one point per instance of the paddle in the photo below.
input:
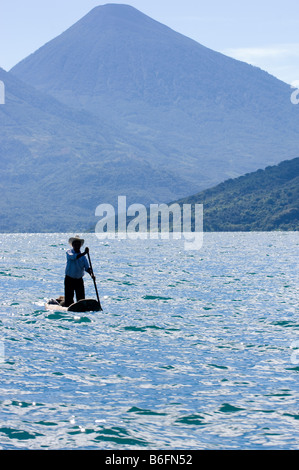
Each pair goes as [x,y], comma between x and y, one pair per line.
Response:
[95,286]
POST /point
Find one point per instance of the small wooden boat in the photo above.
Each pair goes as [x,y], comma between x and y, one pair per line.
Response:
[84,305]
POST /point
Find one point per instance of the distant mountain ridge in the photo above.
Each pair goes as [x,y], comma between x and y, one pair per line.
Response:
[264,200]
[202,115]
[120,104]
[54,159]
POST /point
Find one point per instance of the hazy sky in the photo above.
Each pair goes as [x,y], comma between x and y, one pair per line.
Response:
[262,32]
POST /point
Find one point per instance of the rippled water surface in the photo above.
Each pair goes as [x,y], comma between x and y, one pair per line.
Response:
[193,350]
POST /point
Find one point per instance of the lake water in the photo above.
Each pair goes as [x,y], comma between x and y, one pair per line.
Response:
[193,349]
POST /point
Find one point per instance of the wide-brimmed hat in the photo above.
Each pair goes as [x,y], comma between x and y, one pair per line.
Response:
[76,238]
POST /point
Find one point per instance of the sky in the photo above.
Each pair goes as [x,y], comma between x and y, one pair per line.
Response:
[264,33]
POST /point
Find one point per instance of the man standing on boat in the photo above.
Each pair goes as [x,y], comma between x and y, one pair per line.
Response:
[76,265]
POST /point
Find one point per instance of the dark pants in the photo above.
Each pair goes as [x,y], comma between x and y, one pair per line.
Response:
[72,285]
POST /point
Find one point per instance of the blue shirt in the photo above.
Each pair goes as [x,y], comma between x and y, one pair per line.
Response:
[75,267]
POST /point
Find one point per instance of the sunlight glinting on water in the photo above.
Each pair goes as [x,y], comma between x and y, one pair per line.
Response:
[193,350]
